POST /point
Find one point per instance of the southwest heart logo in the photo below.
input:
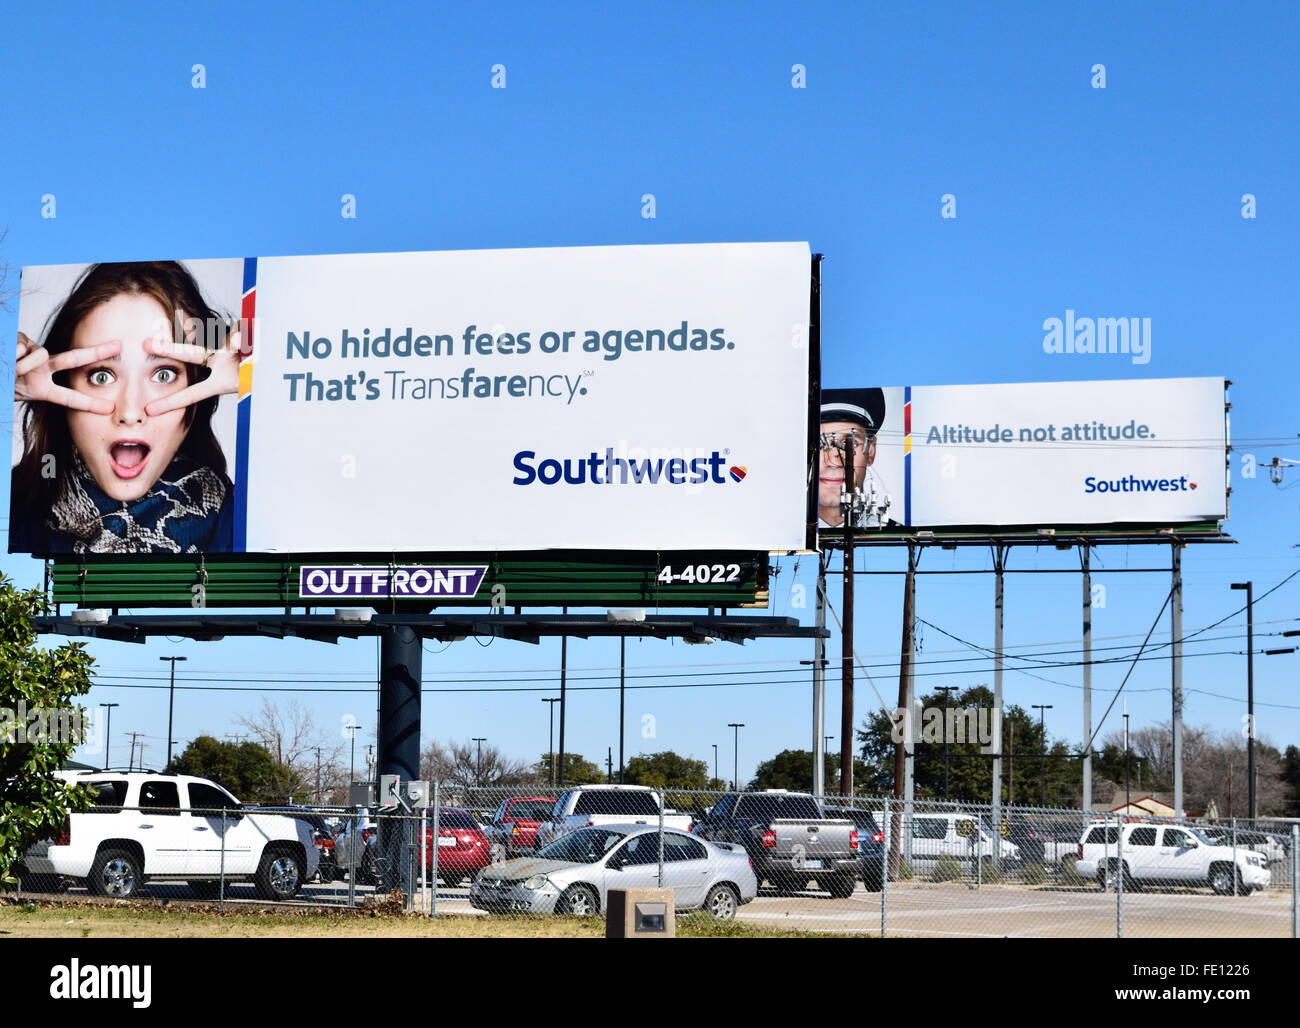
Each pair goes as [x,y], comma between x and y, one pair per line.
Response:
[737,472]
[1192,484]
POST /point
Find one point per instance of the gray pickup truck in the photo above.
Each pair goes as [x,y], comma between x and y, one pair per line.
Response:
[788,838]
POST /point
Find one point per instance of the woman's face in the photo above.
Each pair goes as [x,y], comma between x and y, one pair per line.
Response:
[127,451]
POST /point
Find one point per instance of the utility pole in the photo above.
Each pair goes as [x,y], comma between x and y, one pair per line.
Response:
[171,701]
[819,683]
[1250,694]
[550,746]
[1011,763]
[622,692]
[609,764]
[735,771]
[715,763]
[108,731]
[478,763]
[318,795]
[947,690]
[1042,708]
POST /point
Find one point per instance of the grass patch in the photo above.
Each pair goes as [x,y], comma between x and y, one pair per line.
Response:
[88,918]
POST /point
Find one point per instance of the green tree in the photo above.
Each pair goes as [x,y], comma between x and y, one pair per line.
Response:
[246,769]
[969,768]
[666,770]
[577,770]
[34,803]
[792,769]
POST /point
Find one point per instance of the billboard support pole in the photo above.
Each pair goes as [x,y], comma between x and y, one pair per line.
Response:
[819,686]
[1176,665]
[564,667]
[1085,555]
[907,672]
[999,565]
[846,632]
[401,669]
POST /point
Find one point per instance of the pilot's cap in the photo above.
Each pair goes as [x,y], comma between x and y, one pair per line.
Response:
[865,407]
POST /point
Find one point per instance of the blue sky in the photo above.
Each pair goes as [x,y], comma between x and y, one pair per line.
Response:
[1124,201]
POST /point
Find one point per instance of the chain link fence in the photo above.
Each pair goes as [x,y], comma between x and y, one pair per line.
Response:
[769,859]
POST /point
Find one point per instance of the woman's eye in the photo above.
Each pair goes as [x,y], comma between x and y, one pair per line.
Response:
[100,377]
[165,376]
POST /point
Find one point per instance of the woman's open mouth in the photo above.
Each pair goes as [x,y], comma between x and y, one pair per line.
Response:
[128,457]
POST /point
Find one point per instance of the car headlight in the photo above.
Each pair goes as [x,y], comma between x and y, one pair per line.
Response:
[535,882]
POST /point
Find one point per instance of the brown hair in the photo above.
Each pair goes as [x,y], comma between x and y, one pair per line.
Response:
[45,425]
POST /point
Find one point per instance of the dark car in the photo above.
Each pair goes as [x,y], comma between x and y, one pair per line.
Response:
[871,844]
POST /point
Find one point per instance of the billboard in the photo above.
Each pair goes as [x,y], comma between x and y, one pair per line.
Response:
[632,398]
[1043,454]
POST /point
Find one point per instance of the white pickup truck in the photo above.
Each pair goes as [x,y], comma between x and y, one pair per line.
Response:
[586,805]
[147,825]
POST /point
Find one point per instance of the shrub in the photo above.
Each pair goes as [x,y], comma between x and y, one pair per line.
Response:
[946,868]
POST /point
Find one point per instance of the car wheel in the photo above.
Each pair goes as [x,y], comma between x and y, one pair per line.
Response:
[116,874]
[368,872]
[871,882]
[580,901]
[1108,877]
[280,876]
[722,902]
[1222,878]
[206,889]
[842,888]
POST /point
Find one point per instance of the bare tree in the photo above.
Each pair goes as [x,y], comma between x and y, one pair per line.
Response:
[459,764]
[293,739]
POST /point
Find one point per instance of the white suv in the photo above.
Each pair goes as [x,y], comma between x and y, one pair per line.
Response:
[147,825]
[586,805]
[1166,855]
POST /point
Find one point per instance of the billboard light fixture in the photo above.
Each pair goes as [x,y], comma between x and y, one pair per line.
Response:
[353,615]
[88,616]
[630,616]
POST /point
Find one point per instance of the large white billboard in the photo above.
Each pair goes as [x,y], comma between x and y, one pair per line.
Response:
[626,398]
[1132,452]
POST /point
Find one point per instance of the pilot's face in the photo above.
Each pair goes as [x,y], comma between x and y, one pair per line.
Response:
[831,474]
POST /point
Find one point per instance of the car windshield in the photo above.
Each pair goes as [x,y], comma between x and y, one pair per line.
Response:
[1205,838]
[530,810]
[582,847]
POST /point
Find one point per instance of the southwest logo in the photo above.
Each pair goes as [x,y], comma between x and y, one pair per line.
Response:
[607,468]
[1133,484]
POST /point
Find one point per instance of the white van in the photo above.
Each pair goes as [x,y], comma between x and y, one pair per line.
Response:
[961,836]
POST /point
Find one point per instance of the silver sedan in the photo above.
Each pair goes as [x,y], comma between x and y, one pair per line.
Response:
[574,874]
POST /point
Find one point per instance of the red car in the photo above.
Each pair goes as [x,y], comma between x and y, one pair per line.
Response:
[462,847]
[514,824]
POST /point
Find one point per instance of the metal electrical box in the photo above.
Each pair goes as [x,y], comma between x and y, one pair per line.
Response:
[640,914]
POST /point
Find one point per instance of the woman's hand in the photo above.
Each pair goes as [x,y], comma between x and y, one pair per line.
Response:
[35,370]
[223,364]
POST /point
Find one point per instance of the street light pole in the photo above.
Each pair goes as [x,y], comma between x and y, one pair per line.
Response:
[1127,798]
[1042,708]
[171,697]
[715,762]
[352,757]
[947,690]
[108,731]
[478,764]
[550,752]
[735,767]
[1250,692]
